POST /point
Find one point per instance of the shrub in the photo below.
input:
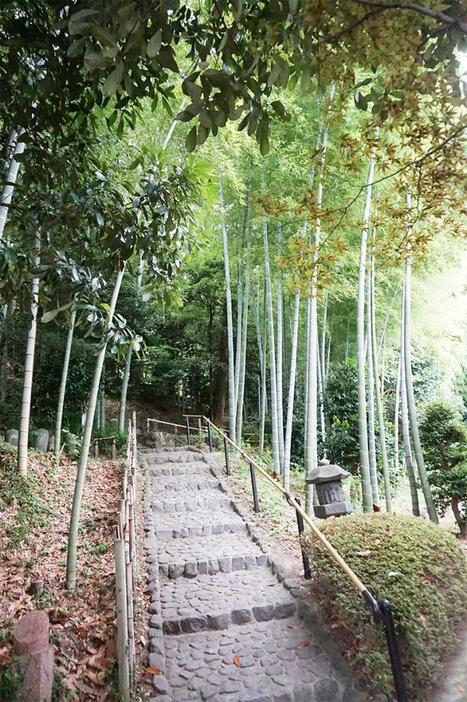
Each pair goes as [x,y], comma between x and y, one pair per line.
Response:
[444,439]
[419,567]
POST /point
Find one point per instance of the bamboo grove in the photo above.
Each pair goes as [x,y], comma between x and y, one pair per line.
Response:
[302,149]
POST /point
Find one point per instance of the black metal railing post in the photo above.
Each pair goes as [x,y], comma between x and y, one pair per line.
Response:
[254,488]
[301,529]
[209,436]
[393,649]
[188,434]
[226,453]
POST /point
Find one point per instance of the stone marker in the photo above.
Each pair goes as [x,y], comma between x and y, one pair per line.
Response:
[12,437]
[31,644]
[41,442]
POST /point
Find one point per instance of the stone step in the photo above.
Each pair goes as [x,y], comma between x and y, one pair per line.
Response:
[197,556]
[160,457]
[274,661]
[191,501]
[200,523]
[218,601]
[163,486]
[193,468]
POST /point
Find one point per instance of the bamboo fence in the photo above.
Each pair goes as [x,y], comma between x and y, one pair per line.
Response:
[125,559]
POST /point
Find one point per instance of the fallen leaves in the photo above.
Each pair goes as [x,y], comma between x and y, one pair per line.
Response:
[303,644]
[82,622]
[236,661]
[153,670]
[365,553]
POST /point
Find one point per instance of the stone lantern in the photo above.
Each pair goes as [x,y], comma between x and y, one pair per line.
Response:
[328,480]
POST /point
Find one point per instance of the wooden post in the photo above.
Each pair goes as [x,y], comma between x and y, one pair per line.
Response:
[188,435]
[254,488]
[96,448]
[209,437]
[226,451]
[113,449]
[122,621]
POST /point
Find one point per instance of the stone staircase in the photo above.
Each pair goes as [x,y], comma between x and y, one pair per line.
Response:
[224,625]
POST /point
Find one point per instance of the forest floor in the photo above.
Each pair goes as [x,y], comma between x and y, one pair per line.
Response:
[35,518]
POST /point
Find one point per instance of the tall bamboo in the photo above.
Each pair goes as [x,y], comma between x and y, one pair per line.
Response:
[63,383]
[409,465]
[71,574]
[362,406]
[228,302]
[371,405]
[23,437]
[272,351]
[16,146]
[291,394]
[413,419]
[379,389]
[312,399]
[279,358]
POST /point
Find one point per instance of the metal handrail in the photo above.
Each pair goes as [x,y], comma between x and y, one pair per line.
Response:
[381,611]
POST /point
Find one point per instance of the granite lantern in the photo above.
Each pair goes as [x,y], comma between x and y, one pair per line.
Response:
[328,480]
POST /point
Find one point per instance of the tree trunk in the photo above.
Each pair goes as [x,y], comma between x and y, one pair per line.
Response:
[413,420]
[23,437]
[11,177]
[5,338]
[397,401]
[272,353]
[279,359]
[129,354]
[321,402]
[322,353]
[238,344]
[371,408]
[461,522]
[291,396]
[218,393]
[307,380]
[124,391]
[262,373]
[367,498]
[63,382]
[409,466]
[228,299]
[378,390]
[71,574]
[241,384]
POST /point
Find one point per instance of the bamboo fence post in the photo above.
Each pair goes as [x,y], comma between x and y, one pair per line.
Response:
[122,621]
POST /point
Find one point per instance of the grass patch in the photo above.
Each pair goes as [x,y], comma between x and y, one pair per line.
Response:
[24,493]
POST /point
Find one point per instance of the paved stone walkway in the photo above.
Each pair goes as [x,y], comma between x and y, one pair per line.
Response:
[224,625]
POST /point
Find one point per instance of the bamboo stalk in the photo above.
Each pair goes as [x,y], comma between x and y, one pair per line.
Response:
[122,621]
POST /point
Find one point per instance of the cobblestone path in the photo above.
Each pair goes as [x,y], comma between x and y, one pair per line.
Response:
[223,624]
